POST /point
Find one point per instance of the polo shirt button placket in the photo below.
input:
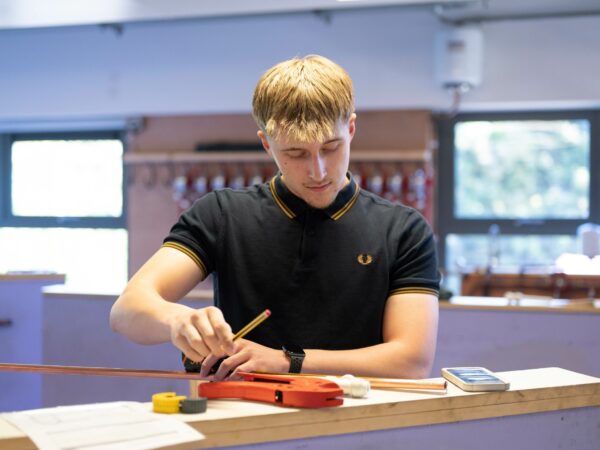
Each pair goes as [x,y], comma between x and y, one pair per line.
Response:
[310,241]
[309,225]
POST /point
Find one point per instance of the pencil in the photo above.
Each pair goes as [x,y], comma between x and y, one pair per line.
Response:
[252,325]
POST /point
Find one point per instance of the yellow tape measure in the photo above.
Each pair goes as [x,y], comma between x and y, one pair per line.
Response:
[171,403]
[167,402]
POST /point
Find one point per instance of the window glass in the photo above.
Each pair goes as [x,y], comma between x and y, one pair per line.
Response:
[91,258]
[67,178]
[466,253]
[526,169]
[508,252]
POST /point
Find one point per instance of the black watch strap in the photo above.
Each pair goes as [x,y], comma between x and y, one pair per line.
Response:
[296,356]
[296,363]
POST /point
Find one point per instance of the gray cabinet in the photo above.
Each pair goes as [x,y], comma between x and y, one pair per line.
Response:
[21,338]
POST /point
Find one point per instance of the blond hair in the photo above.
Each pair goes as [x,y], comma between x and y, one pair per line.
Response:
[303,98]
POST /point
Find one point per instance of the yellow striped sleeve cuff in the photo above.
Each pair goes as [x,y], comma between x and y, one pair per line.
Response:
[188,252]
[414,290]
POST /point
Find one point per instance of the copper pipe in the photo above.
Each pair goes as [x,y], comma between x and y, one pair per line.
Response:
[390,383]
[382,383]
[100,371]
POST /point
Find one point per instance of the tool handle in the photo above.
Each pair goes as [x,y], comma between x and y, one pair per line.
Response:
[242,390]
[189,365]
[195,367]
[314,395]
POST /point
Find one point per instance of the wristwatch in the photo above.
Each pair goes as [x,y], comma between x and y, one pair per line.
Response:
[295,354]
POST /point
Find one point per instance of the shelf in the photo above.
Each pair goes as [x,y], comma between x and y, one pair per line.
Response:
[187,158]
[224,157]
[390,155]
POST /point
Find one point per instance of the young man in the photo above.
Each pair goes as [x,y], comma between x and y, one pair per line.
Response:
[350,278]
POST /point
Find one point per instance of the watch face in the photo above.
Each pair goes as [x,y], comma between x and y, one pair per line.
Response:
[294,349]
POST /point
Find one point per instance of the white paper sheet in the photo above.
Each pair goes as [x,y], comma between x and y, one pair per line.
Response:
[103,426]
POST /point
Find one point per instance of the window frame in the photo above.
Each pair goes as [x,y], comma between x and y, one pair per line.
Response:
[447,223]
[8,219]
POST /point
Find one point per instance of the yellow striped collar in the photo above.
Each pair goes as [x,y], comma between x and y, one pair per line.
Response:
[292,206]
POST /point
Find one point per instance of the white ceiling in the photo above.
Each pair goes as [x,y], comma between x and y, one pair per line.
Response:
[53,13]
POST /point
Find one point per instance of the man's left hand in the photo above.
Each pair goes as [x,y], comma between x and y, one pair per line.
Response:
[248,356]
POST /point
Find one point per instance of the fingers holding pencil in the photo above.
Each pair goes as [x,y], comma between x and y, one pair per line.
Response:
[211,339]
[212,332]
[220,331]
[222,367]
[200,332]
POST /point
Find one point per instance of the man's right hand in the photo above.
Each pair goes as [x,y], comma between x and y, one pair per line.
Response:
[201,332]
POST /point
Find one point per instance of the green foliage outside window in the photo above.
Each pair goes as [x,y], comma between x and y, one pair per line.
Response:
[522,169]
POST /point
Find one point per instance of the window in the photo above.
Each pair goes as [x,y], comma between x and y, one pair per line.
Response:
[514,187]
[62,206]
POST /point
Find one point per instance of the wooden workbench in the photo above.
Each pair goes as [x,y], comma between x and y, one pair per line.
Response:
[492,332]
[545,408]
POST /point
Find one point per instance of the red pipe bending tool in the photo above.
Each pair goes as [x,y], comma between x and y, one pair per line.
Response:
[300,392]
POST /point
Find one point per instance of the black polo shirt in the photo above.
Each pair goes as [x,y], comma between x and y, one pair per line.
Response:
[324,274]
